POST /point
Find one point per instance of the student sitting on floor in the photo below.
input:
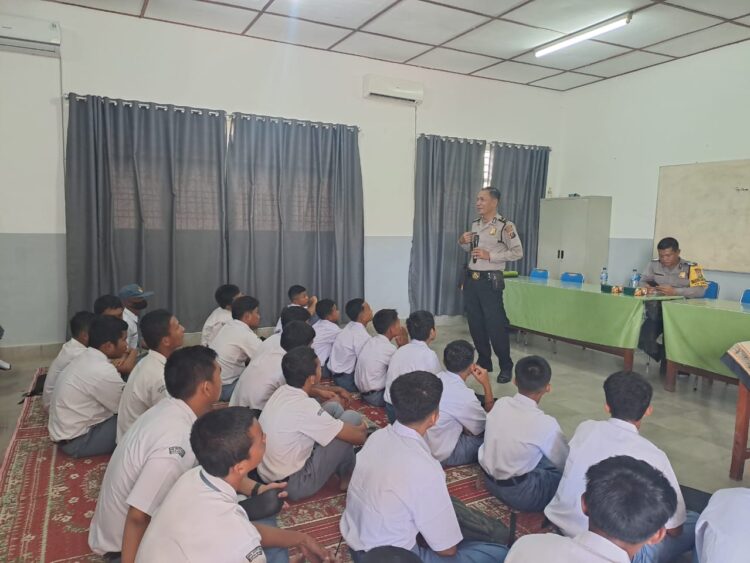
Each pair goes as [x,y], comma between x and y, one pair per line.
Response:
[79,341]
[236,343]
[200,520]
[163,334]
[288,315]
[414,356]
[628,400]
[524,450]
[112,306]
[304,442]
[375,355]
[721,532]
[627,502]
[326,330]
[398,489]
[459,431]
[349,342]
[224,296]
[134,299]
[83,409]
[298,298]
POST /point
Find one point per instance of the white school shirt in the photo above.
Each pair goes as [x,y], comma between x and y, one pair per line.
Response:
[234,345]
[146,463]
[201,522]
[594,441]
[132,319]
[587,547]
[721,532]
[145,387]
[277,328]
[217,319]
[293,422]
[70,350]
[398,490]
[86,393]
[414,356]
[459,409]
[372,363]
[260,379]
[346,347]
[325,335]
[517,435]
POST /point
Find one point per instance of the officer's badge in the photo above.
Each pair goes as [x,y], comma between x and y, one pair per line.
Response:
[493,231]
[683,275]
[475,276]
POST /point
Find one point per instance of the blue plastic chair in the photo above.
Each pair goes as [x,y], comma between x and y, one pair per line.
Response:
[712,291]
[745,297]
[539,274]
[571,277]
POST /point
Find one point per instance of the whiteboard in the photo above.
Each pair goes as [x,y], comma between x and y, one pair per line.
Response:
[706,207]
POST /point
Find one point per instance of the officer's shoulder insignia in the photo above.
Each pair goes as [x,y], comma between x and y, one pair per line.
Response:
[510,230]
[177,450]
[696,276]
[256,554]
[477,220]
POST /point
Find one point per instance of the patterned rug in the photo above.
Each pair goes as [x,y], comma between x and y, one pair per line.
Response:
[47,499]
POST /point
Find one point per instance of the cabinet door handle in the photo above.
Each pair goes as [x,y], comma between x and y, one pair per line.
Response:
[558,254]
[562,254]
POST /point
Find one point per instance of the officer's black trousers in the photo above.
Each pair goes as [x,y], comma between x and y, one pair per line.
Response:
[652,329]
[487,322]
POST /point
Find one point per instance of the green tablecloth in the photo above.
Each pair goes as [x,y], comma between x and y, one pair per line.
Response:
[575,311]
[698,332]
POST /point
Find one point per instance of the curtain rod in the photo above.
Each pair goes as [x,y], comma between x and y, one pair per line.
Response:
[517,146]
[287,120]
[129,103]
[453,139]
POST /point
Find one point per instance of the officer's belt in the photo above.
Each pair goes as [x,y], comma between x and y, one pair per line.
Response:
[486,275]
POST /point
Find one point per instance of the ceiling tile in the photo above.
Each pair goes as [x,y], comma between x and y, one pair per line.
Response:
[503,39]
[625,63]
[200,14]
[723,8]
[516,72]
[419,21]
[348,13]
[583,53]
[379,47]
[566,81]
[296,31]
[131,7]
[454,61]
[568,16]
[252,4]
[488,7]
[701,40]
[657,23]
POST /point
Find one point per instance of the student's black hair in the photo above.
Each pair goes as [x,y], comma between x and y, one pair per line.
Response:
[533,373]
[494,192]
[81,322]
[154,326]
[294,291]
[354,308]
[628,395]
[104,302]
[415,396]
[298,364]
[221,439]
[242,305]
[458,355]
[668,243]
[297,333]
[627,499]
[105,328]
[324,308]
[290,314]
[419,324]
[384,319]
[187,368]
[225,294]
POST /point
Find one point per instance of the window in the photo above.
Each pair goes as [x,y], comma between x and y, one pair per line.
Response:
[488,165]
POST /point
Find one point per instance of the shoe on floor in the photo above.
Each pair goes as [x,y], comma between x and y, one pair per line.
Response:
[4,365]
[505,375]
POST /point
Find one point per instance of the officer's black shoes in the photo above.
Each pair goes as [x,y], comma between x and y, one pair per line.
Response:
[505,375]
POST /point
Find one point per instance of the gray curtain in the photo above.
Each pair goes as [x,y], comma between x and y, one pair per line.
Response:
[144,203]
[520,173]
[449,173]
[295,210]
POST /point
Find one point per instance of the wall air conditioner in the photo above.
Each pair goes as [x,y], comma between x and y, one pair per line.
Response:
[27,35]
[393,88]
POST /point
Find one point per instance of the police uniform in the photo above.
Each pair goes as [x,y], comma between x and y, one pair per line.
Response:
[483,289]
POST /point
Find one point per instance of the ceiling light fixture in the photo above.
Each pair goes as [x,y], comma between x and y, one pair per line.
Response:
[589,33]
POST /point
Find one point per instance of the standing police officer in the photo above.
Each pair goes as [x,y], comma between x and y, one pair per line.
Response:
[492,241]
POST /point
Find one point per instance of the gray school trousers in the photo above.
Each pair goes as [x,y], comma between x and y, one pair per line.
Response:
[99,440]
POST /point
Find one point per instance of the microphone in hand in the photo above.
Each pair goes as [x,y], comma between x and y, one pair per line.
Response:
[474,244]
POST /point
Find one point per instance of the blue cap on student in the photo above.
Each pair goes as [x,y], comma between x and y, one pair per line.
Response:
[133,290]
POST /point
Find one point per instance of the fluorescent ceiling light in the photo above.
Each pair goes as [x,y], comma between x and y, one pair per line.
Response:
[593,31]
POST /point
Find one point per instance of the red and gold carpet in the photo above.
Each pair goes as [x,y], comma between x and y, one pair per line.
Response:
[47,499]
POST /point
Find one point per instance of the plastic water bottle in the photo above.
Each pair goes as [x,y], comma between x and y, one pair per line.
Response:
[604,276]
[635,279]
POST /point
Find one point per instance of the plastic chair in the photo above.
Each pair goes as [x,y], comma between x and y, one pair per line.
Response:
[571,277]
[712,291]
[539,274]
[745,297]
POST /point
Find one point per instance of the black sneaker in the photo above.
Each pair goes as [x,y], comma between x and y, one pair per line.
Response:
[505,375]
